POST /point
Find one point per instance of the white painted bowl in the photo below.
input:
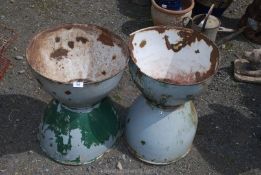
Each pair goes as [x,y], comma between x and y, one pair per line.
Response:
[172,65]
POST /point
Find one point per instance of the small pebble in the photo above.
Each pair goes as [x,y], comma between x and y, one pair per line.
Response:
[124,157]
[30,152]
[21,72]
[12,1]
[119,166]
[19,57]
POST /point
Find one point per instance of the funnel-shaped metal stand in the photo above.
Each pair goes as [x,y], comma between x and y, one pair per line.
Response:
[160,136]
[170,66]
[78,136]
[79,65]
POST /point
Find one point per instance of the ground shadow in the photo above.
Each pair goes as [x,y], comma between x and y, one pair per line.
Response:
[122,145]
[230,141]
[19,121]
[226,71]
[139,16]
[252,99]
[122,113]
[231,23]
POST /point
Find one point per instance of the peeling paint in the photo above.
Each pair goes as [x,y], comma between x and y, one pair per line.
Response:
[75,137]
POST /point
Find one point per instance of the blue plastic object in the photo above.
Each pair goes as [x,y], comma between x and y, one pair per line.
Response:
[170,4]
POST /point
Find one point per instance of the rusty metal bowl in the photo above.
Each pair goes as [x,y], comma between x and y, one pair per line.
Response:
[172,65]
[78,64]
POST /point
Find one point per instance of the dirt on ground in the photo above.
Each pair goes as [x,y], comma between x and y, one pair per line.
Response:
[228,139]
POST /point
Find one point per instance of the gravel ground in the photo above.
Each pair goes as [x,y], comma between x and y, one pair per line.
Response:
[228,139]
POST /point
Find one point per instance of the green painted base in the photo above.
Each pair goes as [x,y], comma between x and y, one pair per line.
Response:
[78,136]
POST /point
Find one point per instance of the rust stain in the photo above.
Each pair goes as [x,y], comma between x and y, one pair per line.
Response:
[32,52]
[106,39]
[189,37]
[186,40]
[175,47]
[160,30]
[109,38]
[57,39]
[59,53]
[67,92]
[113,57]
[82,39]
[69,27]
[200,76]
[143,43]
[181,78]
[71,44]
[169,46]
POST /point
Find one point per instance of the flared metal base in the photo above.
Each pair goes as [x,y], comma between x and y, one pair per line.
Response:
[78,136]
[160,136]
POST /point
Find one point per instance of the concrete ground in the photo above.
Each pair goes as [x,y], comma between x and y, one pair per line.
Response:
[228,139]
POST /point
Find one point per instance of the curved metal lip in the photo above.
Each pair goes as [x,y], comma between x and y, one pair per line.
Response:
[175,28]
[71,25]
[176,12]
